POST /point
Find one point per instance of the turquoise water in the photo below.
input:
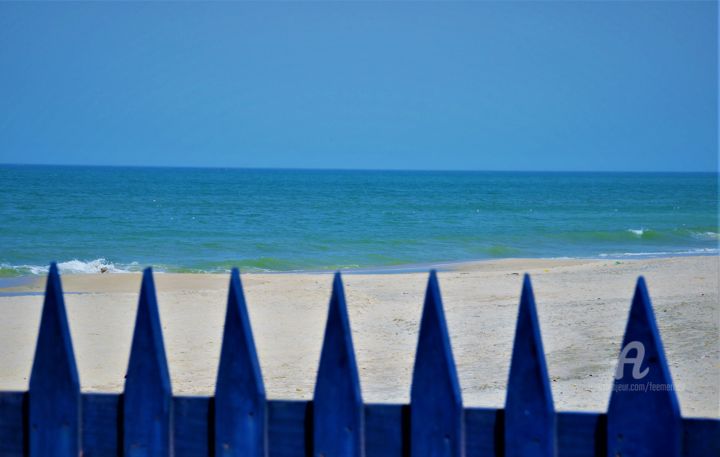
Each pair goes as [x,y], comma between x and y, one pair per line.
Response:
[208,220]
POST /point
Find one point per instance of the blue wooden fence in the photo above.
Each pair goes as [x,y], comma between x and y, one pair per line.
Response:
[54,418]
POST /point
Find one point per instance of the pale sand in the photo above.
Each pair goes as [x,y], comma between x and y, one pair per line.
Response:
[582,304]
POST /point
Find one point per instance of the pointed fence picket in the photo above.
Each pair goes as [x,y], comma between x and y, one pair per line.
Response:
[55,419]
[147,399]
[530,428]
[240,404]
[54,396]
[436,410]
[643,420]
[338,424]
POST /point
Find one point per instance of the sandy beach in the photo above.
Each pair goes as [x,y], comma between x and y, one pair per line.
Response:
[582,305]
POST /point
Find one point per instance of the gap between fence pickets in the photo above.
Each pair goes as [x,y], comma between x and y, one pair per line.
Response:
[54,418]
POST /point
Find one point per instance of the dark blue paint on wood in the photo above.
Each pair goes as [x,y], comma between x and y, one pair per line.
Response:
[484,432]
[581,434]
[13,415]
[147,400]
[289,428]
[701,437]
[240,405]
[643,415]
[192,421]
[387,430]
[436,412]
[338,414]
[529,413]
[100,431]
[54,401]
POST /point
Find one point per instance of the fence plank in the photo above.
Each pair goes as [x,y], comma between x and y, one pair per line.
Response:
[529,413]
[338,415]
[290,428]
[436,411]
[387,430]
[484,432]
[54,400]
[701,437]
[101,432]
[643,414]
[147,401]
[13,433]
[581,434]
[192,426]
[240,404]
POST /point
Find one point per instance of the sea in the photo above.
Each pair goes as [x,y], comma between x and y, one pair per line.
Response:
[122,219]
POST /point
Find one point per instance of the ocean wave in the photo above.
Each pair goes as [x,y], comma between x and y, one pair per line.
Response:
[699,251]
[705,235]
[647,234]
[92,266]
[619,235]
[73,266]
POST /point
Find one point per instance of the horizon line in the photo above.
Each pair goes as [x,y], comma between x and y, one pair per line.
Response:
[453,170]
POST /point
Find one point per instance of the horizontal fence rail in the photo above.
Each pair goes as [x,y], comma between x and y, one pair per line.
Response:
[54,418]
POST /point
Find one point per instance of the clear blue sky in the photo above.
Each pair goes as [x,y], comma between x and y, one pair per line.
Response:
[490,86]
